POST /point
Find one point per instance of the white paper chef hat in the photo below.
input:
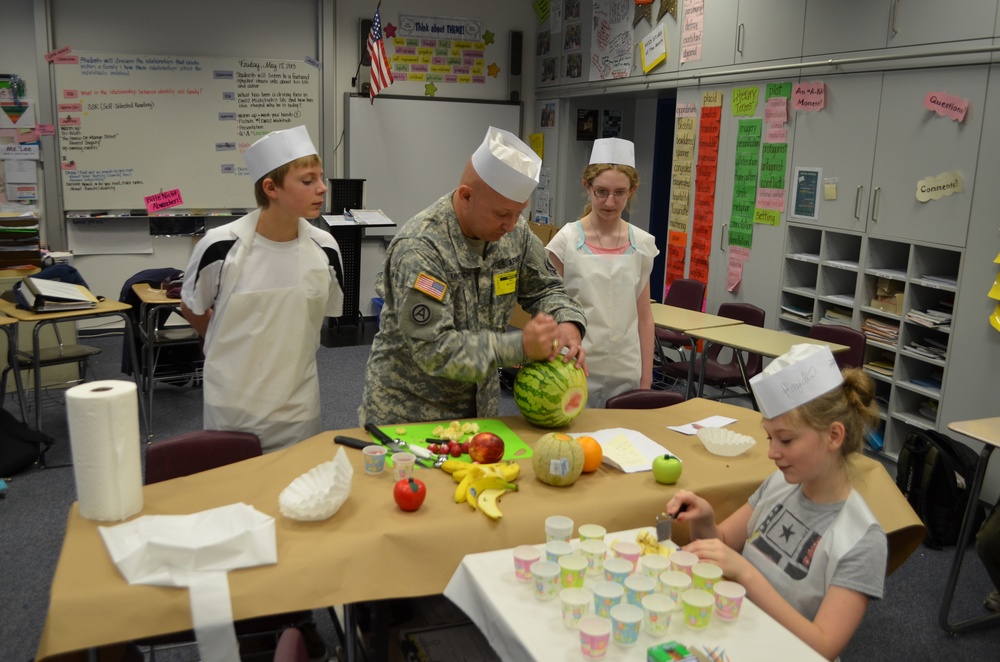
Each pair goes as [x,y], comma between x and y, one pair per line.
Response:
[276,149]
[801,374]
[613,150]
[507,165]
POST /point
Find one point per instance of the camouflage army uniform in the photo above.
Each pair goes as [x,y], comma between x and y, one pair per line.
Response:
[437,359]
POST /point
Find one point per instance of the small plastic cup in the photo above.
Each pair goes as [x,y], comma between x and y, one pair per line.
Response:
[628,550]
[402,465]
[594,551]
[556,548]
[674,584]
[683,562]
[652,565]
[524,556]
[607,595]
[704,575]
[576,604]
[638,586]
[374,459]
[617,570]
[545,575]
[728,600]
[595,633]
[558,527]
[656,611]
[625,622]
[697,608]
[572,568]
[592,532]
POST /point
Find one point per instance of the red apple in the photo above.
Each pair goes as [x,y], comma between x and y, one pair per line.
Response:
[486,448]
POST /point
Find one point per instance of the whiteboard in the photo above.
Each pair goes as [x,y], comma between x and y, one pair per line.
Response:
[411,150]
[131,126]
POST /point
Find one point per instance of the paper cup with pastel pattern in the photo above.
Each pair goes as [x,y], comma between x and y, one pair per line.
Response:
[556,548]
[576,603]
[638,586]
[626,620]
[697,608]
[607,595]
[728,600]
[617,570]
[704,575]
[652,565]
[595,633]
[545,575]
[524,556]
[656,611]
[592,532]
[594,551]
[674,584]
[683,561]
[628,550]
[558,527]
[572,569]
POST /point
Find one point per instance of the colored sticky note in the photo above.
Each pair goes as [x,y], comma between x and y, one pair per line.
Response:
[744,102]
[766,216]
[163,200]
[947,105]
[810,97]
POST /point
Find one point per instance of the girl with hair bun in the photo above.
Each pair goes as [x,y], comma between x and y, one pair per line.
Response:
[805,546]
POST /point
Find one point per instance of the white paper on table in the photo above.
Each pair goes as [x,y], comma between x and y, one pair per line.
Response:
[710,422]
[626,449]
[196,551]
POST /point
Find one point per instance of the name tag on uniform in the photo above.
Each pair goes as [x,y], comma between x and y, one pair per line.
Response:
[505,283]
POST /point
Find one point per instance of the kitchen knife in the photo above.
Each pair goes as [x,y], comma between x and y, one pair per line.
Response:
[399,444]
[351,442]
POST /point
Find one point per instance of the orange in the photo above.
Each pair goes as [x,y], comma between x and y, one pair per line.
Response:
[592,454]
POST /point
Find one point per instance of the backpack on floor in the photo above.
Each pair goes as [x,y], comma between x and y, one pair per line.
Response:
[934,473]
[20,445]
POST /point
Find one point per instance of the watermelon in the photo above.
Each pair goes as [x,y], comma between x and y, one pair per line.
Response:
[550,393]
[557,459]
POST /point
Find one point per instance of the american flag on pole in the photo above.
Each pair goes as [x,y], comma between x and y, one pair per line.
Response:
[381,74]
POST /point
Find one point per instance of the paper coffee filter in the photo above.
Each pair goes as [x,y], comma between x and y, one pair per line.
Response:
[725,442]
[318,493]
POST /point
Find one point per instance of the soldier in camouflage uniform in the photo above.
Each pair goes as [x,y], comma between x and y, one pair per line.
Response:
[449,282]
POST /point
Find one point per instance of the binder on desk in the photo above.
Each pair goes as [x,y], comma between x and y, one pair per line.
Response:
[47,296]
[368,216]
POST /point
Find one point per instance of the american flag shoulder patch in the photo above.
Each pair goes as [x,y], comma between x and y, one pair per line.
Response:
[430,286]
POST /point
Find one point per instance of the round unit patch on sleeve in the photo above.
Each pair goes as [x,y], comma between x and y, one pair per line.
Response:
[420,314]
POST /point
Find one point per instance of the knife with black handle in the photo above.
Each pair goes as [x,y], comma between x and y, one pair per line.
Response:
[351,442]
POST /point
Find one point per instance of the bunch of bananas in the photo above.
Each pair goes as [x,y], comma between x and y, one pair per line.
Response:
[650,545]
[482,485]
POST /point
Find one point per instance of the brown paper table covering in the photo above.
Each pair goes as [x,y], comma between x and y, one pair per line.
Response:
[371,550]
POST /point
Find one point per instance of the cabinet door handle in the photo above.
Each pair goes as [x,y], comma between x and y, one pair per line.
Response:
[725,228]
[895,9]
[857,202]
[739,39]
[875,193]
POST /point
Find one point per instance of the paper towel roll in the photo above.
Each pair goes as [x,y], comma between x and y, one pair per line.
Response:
[104,437]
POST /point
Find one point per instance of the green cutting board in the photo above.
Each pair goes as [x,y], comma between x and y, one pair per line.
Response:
[514,447]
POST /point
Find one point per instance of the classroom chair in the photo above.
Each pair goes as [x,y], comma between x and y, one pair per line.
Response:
[717,372]
[842,335]
[644,398]
[683,293]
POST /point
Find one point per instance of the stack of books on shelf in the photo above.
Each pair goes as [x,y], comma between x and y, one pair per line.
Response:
[797,312]
[880,330]
[883,364]
[950,281]
[932,348]
[932,380]
[930,318]
[837,316]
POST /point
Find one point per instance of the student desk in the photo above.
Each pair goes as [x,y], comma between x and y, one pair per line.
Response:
[685,321]
[371,550]
[9,326]
[105,308]
[986,430]
[519,627]
[756,340]
[153,304]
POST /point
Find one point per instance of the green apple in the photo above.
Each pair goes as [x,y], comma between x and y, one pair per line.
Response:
[666,469]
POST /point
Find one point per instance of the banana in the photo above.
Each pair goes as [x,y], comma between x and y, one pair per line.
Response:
[488,503]
[459,475]
[650,545]
[462,490]
[488,483]
[508,469]
[451,466]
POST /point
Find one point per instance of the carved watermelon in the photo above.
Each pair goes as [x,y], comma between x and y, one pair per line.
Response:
[550,393]
[557,459]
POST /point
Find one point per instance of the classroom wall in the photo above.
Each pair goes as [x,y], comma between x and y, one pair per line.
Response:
[328,30]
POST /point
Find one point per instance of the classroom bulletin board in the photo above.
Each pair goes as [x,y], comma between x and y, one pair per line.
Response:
[132,126]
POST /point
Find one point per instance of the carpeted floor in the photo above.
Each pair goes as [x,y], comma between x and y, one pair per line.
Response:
[903,626]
